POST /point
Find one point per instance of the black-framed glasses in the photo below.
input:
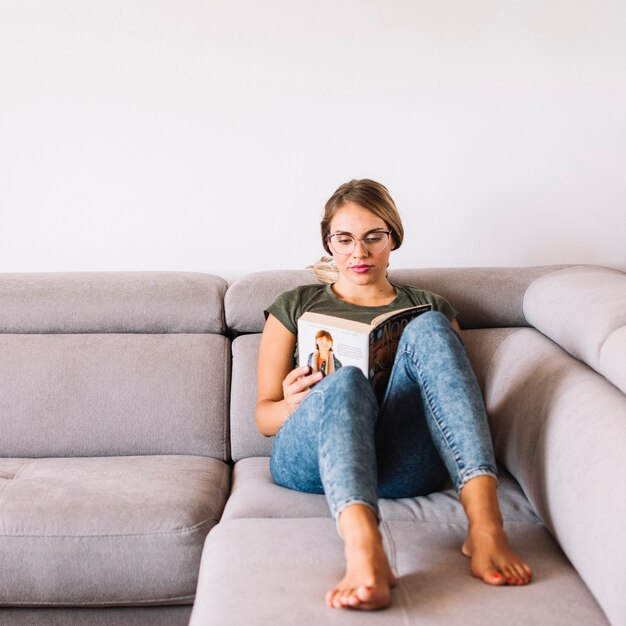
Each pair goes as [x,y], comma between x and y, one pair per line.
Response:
[374,242]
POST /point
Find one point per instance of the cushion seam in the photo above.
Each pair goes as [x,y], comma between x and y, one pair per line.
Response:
[496,351]
[95,604]
[180,531]
[5,486]
[557,269]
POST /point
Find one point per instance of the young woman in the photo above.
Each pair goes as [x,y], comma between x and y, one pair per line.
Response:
[334,436]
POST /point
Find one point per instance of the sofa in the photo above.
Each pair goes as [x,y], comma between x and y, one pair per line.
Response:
[135,489]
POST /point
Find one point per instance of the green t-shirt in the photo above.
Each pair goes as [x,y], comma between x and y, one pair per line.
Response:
[290,305]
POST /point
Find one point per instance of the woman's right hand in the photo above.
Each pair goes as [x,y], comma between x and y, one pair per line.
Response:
[297,384]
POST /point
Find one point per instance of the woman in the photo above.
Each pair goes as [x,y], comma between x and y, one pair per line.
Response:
[323,359]
[334,436]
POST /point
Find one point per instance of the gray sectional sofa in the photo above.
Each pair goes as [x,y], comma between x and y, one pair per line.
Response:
[134,486]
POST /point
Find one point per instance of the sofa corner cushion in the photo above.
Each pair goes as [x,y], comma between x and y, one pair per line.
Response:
[266,571]
[583,309]
[106,531]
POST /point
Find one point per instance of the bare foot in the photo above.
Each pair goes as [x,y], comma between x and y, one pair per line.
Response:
[368,578]
[493,560]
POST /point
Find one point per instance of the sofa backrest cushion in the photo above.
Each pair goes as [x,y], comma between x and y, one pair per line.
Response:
[123,365]
[583,309]
[112,302]
[485,297]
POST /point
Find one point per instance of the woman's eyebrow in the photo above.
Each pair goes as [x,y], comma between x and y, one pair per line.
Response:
[367,232]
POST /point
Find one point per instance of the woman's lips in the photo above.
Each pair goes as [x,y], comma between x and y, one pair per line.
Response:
[361,269]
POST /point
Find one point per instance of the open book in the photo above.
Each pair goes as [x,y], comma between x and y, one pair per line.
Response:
[326,343]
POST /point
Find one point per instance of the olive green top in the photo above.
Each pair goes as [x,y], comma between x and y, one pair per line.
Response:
[290,305]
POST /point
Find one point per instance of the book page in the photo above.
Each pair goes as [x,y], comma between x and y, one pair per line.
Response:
[347,347]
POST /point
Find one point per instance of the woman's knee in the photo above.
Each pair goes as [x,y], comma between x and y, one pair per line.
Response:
[349,387]
[425,325]
[349,377]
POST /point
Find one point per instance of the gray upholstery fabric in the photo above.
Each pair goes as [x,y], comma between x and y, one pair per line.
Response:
[583,309]
[560,429]
[246,441]
[112,302]
[247,297]
[116,616]
[484,297]
[480,346]
[254,494]
[106,531]
[287,566]
[106,394]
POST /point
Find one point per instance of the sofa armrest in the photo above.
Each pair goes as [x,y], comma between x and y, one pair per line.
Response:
[583,309]
[560,429]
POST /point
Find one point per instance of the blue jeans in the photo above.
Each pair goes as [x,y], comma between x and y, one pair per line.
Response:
[344,442]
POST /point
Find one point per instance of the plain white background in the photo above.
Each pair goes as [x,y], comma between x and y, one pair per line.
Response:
[207,136]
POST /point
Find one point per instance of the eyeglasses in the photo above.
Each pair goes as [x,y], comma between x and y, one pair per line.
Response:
[374,242]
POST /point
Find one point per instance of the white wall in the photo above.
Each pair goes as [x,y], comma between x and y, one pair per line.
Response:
[207,135]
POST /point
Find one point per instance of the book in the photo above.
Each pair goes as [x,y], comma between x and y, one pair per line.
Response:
[327,342]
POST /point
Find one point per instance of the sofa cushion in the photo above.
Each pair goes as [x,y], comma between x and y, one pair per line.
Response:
[484,296]
[112,302]
[560,429]
[254,494]
[287,565]
[245,439]
[106,531]
[583,309]
[114,394]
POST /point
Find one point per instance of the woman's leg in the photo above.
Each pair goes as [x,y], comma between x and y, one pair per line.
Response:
[327,446]
[433,416]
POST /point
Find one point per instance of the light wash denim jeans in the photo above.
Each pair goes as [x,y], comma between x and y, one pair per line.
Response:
[343,442]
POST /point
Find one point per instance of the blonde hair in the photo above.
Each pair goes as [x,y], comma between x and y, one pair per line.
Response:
[371,196]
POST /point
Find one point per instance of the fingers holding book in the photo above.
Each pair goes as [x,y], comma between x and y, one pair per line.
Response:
[297,384]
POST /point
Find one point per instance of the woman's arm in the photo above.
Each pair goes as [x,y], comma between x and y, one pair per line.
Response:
[280,388]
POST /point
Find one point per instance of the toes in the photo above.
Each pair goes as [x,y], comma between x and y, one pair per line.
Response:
[334,599]
[529,572]
[494,577]
[363,593]
[354,600]
[523,573]
[346,598]
[330,597]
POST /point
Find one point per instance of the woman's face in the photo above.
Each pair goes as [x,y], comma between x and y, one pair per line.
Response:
[324,344]
[360,266]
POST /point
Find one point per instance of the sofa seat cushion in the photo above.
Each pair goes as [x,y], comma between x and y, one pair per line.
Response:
[108,530]
[254,494]
[277,571]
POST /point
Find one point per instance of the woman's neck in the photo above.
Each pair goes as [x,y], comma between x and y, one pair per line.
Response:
[365,295]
